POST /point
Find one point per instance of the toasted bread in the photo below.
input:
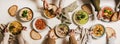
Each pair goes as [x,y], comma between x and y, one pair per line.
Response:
[34,35]
[12,10]
[87,8]
[110,32]
[114,17]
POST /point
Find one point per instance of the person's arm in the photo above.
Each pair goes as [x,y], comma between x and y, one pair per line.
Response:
[72,39]
[6,38]
[59,9]
[20,37]
[51,41]
[45,4]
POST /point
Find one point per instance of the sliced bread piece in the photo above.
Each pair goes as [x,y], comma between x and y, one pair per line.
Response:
[114,17]
[110,32]
[12,10]
[35,35]
[87,8]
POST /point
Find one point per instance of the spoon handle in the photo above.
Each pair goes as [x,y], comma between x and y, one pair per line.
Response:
[49,27]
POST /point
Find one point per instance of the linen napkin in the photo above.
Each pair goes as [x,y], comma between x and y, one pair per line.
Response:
[84,37]
[64,16]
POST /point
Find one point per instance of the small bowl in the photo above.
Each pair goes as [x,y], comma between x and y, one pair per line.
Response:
[101,12]
[46,13]
[78,23]
[20,12]
[15,33]
[33,24]
[101,34]
[56,32]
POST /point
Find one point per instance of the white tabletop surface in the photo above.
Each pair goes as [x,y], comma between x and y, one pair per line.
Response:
[6,18]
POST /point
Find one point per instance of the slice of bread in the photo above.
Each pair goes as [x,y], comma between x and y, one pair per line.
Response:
[110,32]
[12,10]
[35,35]
[87,8]
[114,17]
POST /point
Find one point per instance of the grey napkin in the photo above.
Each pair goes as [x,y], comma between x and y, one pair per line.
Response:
[13,39]
[1,36]
[1,32]
[71,7]
[64,16]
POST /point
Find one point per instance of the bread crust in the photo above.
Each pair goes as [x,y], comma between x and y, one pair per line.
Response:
[12,10]
[35,35]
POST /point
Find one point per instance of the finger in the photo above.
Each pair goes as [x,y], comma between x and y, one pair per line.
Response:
[43,0]
[46,5]
[6,38]
[24,28]
[72,30]
[50,32]
[91,32]
[6,30]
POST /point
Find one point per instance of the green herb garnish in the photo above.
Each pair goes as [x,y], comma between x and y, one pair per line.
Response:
[80,16]
[108,11]
[11,27]
[24,14]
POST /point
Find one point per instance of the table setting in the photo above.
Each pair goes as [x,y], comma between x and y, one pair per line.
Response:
[32,21]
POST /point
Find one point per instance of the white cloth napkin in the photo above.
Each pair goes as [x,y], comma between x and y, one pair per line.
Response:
[84,37]
[111,40]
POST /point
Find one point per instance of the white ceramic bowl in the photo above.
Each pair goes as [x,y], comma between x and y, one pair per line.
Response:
[33,24]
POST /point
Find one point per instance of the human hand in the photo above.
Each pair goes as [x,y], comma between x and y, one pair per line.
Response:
[6,36]
[72,33]
[51,34]
[58,11]
[45,4]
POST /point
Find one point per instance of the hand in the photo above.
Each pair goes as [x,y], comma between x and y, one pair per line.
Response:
[72,33]
[24,28]
[45,4]
[6,36]
[58,11]
[99,16]
[51,34]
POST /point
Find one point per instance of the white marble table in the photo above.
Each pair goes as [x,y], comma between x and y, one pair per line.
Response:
[6,18]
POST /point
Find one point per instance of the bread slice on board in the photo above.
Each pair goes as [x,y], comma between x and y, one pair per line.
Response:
[35,35]
[12,10]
